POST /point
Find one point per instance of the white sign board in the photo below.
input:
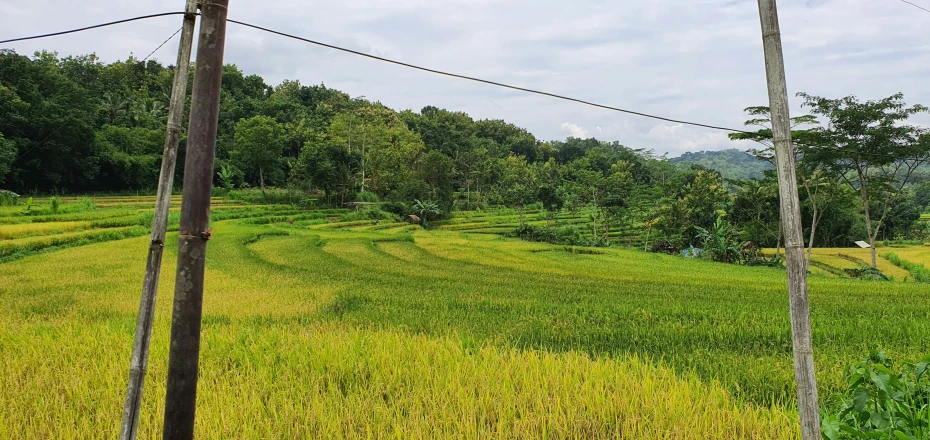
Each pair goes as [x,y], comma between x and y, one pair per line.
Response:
[863,244]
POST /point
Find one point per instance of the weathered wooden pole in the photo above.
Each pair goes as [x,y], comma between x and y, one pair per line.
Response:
[791,221]
[140,347]
[184,353]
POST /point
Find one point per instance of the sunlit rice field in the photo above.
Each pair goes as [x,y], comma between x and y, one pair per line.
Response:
[321,325]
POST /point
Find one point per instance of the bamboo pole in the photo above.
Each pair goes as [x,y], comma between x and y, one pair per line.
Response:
[143,336]
[183,358]
[795,262]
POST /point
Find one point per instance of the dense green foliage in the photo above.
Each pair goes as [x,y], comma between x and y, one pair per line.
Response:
[881,403]
[731,164]
[76,124]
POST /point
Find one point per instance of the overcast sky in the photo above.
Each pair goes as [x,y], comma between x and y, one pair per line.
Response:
[697,60]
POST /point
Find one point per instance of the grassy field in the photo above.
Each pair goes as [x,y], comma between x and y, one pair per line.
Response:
[323,325]
[831,262]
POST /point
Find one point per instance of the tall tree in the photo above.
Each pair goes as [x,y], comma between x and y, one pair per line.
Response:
[819,183]
[259,141]
[873,147]
[518,187]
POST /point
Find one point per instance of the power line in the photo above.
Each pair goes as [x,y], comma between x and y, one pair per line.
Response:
[162,44]
[915,5]
[400,63]
[120,80]
[354,52]
[493,83]
[127,20]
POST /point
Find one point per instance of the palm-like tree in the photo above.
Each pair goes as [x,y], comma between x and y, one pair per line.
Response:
[115,106]
[426,208]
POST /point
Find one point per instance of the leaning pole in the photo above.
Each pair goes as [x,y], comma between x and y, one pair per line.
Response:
[184,353]
[795,262]
[143,337]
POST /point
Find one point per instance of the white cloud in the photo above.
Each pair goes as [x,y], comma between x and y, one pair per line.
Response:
[696,60]
[574,130]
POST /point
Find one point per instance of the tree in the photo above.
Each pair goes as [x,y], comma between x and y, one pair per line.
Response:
[258,144]
[755,210]
[328,166]
[874,149]
[438,172]
[7,155]
[518,186]
[818,182]
[426,209]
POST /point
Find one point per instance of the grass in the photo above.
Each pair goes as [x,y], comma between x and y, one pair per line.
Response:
[345,330]
[918,271]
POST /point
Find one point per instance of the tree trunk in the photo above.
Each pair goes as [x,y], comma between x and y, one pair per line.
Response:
[778,241]
[810,243]
[261,181]
[863,192]
[521,218]
[468,190]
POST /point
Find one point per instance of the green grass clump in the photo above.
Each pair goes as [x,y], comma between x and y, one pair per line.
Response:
[918,271]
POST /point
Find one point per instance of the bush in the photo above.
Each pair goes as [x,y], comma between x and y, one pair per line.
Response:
[918,271]
[397,208]
[55,203]
[893,258]
[665,247]
[86,204]
[567,235]
[879,403]
[8,198]
[866,272]
[367,196]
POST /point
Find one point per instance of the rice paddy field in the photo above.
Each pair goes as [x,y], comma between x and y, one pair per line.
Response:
[321,324]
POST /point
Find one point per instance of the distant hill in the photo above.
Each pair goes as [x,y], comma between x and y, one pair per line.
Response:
[732,163]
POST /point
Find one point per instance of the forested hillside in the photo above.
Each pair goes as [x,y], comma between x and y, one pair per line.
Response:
[732,163]
[74,124]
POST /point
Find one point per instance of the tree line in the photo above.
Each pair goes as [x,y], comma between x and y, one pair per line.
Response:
[76,124]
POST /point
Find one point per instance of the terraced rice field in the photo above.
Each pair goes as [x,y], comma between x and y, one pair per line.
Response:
[321,325]
[831,262]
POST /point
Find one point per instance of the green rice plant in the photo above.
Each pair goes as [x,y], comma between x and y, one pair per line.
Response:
[19,248]
[918,271]
[348,329]
[23,230]
[87,204]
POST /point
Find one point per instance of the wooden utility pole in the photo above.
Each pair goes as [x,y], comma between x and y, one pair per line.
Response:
[140,347]
[791,221]
[184,354]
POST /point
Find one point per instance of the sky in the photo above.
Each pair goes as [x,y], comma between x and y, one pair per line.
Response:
[695,60]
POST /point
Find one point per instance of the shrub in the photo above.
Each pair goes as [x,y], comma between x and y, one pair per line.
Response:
[28,208]
[8,198]
[367,196]
[55,203]
[918,271]
[721,242]
[665,247]
[893,258]
[86,204]
[397,208]
[866,272]
[879,403]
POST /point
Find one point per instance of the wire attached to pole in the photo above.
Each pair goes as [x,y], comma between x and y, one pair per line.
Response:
[54,34]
